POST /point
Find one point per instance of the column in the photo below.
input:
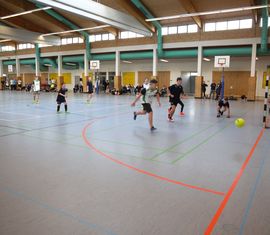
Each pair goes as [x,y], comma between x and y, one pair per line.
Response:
[18,72]
[60,78]
[199,78]
[37,60]
[155,61]
[1,74]
[117,78]
[251,96]
[18,68]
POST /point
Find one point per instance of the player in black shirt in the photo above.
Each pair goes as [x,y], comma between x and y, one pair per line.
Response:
[175,92]
[61,98]
[223,106]
[90,89]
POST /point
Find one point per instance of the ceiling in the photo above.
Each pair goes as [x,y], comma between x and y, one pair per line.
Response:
[43,23]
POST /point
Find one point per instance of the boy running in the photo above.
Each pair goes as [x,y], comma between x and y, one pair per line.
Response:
[36,90]
[146,96]
[223,106]
[175,93]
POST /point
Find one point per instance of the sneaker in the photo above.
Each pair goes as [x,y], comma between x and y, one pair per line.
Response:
[221,113]
[218,116]
[182,114]
[135,116]
[170,119]
[153,128]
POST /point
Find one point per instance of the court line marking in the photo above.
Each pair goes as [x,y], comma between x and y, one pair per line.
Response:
[236,180]
[181,142]
[198,145]
[58,211]
[133,145]
[85,147]
[252,195]
[144,172]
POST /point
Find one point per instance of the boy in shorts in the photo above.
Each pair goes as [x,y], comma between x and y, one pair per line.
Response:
[223,106]
[36,90]
[175,92]
[146,96]
[61,98]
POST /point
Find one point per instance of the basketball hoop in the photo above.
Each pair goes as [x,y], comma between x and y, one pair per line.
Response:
[94,64]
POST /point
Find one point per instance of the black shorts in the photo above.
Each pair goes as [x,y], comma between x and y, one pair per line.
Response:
[175,102]
[147,108]
[223,104]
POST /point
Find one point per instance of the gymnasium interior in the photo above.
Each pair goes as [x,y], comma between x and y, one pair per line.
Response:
[90,168]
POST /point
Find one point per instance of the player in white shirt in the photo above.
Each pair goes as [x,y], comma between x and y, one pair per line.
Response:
[36,90]
[146,96]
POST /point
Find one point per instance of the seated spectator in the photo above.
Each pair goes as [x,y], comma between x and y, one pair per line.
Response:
[163,91]
[137,89]
[76,88]
[124,90]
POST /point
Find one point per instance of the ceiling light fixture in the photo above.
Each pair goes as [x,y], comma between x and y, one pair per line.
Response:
[209,13]
[165,61]
[72,64]
[5,40]
[75,30]
[206,59]
[25,13]
[127,62]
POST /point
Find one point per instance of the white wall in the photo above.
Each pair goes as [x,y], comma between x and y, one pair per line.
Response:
[176,66]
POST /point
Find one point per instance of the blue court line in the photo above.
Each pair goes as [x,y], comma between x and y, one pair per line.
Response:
[252,196]
[58,211]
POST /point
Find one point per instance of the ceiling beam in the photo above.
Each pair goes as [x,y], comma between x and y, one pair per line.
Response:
[25,6]
[129,7]
[23,35]
[68,24]
[99,13]
[189,7]
[20,23]
[112,30]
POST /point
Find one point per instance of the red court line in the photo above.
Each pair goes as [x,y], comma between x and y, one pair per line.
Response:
[223,204]
[89,144]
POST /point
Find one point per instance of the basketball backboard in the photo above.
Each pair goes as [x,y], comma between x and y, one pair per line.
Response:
[222,61]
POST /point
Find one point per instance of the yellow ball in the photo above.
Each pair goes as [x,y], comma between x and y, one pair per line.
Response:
[240,122]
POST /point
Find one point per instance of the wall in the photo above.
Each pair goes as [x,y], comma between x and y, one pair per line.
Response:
[175,66]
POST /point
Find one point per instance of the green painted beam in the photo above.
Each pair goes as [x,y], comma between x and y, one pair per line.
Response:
[149,15]
[184,53]
[71,25]
[264,29]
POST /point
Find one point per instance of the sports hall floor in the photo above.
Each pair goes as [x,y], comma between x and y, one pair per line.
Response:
[95,171]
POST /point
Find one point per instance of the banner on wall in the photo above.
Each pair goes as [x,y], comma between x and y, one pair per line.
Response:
[129,78]
[67,77]
[264,80]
